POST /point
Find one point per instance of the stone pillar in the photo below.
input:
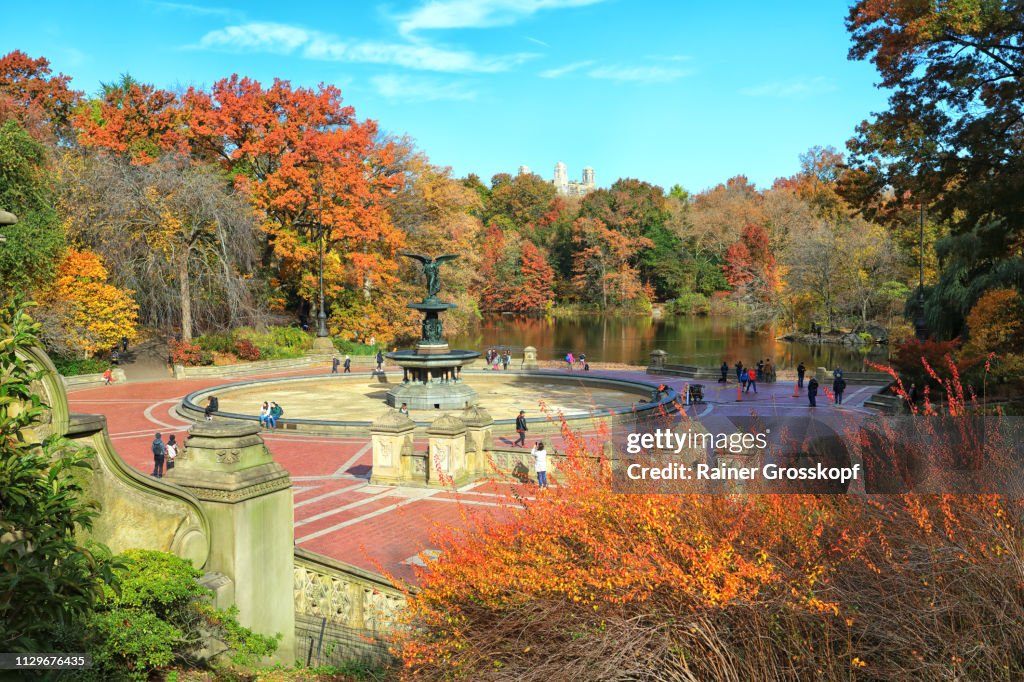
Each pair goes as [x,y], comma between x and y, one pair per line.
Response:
[479,439]
[391,436]
[447,455]
[247,497]
[530,358]
[657,362]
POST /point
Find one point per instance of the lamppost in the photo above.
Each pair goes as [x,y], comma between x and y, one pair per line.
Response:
[920,328]
[317,229]
[6,218]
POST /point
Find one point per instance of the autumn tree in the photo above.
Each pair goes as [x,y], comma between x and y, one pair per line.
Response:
[996,326]
[952,136]
[34,244]
[603,269]
[86,313]
[175,232]
[750,268]
[515,275]
[524,200]
[41,103]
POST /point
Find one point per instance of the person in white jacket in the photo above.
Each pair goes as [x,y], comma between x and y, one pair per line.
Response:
[540,464]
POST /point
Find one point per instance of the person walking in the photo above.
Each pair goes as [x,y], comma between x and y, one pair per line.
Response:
[540,464]
[569,360]
[172,451]
[751,381]
[739,371]
[838,386]
[264,413]
[725,373]
[800,371]
[348,365]
[495,361]
[521,429]
[506,360]
[108,377]
[760,370]
[380,361]
[335,363]
[582,359]
[812,391]
[159,451]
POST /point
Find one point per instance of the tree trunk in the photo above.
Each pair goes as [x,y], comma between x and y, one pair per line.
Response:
[185,290]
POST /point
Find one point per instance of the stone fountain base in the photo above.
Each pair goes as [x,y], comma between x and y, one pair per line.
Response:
[432,378]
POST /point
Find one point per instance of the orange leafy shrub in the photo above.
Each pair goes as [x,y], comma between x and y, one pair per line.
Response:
[585,583]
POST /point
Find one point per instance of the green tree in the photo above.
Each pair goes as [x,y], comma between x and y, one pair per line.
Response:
[524,200]
[49,582]
[33,245]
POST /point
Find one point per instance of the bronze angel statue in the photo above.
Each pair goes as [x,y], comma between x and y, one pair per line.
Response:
[430,269]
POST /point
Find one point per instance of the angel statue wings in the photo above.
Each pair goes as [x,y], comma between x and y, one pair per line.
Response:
[430,269]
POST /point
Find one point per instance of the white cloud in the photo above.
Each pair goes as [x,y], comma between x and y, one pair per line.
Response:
[196,10]
[538,42]
[560,71]
[639,74]
[413,89]
[285,39]
[444,14]
[793,88]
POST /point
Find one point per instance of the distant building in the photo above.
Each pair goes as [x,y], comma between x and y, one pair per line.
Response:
[566,187]
[570,188]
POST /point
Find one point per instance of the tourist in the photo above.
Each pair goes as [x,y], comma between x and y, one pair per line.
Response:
[912,397]
[114,357]
[769,371]
[212,405]
[812,391]
[521,429]
[725,373]
[760,370]
[380,361]
[264,413]
[124,344]
[275,413]
[751,381]
[838,386]
[800,371]
[506,360]
[404,409]
[582,359]
[159,450]
[739,371]
[348,365]
[540,464]
[569,360]
[108,376]
[172,451]
[335,363]
[495,361]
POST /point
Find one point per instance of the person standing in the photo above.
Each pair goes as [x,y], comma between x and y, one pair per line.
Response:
[912,397]
[380,361]
[569,360]
[348,365]
[540,464]
[506,360]
[335,363]
[582,360]
[124,344]
[521,429]
[838,386]
[108,377]
[812,391]
[751,381]
[800,371]
[404,409]
[739,371]
[760,370]
[159,451]
[172,451]
[725,373]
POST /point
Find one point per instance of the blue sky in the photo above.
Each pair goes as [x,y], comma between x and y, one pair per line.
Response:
[670,92]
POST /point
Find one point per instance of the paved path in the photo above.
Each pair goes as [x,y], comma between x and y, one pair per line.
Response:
[337,512]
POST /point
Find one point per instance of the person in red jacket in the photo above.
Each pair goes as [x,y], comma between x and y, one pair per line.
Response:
[751,381]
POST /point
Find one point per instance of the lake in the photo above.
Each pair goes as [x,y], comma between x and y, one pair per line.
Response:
[702,341]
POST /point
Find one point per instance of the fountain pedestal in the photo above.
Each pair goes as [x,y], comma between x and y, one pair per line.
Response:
[432,372]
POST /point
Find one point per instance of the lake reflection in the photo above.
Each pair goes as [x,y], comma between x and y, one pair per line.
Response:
[703,341]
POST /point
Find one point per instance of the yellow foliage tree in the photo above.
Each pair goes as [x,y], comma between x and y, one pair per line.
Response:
[93,314]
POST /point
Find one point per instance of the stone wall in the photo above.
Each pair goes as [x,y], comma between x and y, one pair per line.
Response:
[342,612]
[264,366]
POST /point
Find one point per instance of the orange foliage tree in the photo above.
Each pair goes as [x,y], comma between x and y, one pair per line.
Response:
[750,266]
[514,273]
[92,314]
[41,102]
[996,328]
[603,264]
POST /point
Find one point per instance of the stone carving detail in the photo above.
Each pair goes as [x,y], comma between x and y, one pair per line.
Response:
[216,495]
[380,610]
[386,454]
[229,457]
[323,596]
[419,466]
[442,457]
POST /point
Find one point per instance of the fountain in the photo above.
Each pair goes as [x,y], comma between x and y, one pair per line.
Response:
[432,373]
